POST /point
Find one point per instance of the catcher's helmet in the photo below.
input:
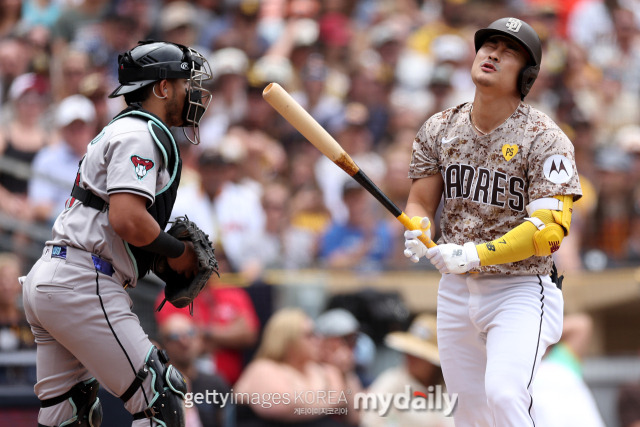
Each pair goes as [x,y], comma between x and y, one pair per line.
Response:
[149,62]
[524,34]
[152,61]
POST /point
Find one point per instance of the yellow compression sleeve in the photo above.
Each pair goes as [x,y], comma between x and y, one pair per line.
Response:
[516,245]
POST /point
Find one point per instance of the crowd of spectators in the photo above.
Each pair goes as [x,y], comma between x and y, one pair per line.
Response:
[371,72]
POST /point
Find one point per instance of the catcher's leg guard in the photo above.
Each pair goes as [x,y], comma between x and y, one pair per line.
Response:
[168,387]
[83,397]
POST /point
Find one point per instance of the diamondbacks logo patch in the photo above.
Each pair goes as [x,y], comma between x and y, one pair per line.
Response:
[557,169]
[141,166]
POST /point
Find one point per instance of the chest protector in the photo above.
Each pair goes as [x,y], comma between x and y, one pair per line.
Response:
[161,208]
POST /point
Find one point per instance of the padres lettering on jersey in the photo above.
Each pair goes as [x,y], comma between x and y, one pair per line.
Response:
[485,186]
[490,179]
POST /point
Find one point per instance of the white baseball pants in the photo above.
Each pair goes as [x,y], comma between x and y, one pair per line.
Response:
[492,332]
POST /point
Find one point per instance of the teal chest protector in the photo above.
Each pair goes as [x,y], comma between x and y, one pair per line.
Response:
[161,208]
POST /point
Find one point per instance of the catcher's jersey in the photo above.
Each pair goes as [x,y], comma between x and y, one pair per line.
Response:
[123,158]
[490,179]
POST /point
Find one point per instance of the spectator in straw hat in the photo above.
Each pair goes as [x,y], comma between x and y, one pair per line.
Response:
[420,372]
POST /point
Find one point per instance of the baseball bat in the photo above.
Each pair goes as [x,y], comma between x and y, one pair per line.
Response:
[300,119]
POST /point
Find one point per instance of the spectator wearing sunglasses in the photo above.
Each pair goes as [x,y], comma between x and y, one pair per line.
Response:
[338,331]
[182,340]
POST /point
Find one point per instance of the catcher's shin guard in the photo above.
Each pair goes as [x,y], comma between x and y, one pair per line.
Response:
[83,397]
[168,387]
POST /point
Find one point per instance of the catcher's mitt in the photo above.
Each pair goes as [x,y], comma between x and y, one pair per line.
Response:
[180,290]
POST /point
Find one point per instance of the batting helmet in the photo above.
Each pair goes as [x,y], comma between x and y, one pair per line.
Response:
[524,34]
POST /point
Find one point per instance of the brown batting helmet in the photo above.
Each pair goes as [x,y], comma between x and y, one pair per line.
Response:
[524,34]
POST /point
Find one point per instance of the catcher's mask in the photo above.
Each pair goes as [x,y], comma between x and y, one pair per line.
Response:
[152,61]
[524,34]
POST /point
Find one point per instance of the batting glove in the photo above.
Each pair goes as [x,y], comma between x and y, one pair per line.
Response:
[414,248]
[450,258]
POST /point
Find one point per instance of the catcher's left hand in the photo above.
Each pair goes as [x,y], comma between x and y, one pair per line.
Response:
[186,264]
[182,289]
[450,258]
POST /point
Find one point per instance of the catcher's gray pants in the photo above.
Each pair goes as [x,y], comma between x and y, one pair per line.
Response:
[84,327]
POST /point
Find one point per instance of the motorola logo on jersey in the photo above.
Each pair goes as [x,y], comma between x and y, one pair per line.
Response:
[557,169]
[484,186]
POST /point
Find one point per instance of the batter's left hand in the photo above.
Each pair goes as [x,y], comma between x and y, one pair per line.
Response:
[414,248]
[450,258]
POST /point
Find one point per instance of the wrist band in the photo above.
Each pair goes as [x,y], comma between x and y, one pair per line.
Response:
[165,244]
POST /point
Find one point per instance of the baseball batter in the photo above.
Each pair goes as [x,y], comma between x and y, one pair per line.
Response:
[508,178]
[104,241]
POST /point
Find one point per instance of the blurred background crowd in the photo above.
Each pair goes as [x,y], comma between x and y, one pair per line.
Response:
[370,71]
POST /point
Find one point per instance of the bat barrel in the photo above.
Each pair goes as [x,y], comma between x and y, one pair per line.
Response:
[300,119]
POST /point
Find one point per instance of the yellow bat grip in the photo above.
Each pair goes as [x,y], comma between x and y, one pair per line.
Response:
[406,221]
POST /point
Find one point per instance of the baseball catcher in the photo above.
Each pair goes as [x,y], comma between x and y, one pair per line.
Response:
[181,290]
[110,235]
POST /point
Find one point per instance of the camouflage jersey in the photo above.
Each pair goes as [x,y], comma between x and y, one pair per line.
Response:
[490,179]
